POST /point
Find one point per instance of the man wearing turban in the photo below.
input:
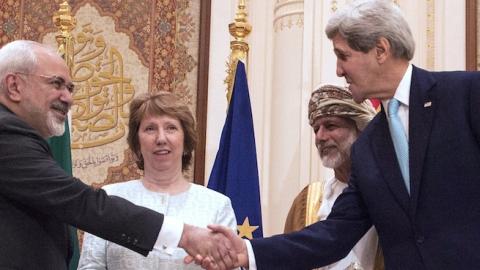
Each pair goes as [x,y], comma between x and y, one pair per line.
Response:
[337,122]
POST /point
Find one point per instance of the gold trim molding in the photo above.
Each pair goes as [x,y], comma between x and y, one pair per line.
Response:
[334,5]
[430,34]
[288,14]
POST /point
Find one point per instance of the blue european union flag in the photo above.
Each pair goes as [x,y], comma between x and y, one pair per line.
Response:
[235,171]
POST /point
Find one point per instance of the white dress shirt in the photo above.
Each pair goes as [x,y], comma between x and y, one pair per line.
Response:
[402,94]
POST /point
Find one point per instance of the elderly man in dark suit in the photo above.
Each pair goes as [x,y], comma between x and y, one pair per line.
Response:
[38,199]
[415,168]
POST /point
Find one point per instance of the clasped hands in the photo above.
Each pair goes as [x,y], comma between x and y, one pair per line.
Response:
[215,248]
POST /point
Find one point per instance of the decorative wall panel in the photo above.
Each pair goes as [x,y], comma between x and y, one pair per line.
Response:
[123,48]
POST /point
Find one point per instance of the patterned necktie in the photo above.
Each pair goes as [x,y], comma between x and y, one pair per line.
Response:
[399,139]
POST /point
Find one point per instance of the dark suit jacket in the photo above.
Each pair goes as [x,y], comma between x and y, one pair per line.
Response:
[38,199]
[438,226]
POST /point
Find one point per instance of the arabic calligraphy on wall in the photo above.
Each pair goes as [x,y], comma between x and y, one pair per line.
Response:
[108,74]
[95,161]
[99,113]
[128,48]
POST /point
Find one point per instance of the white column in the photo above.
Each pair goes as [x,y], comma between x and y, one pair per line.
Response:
[222,13]
[260,15]
[286,113]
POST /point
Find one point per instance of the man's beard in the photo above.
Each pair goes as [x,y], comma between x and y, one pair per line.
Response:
[338,156]
[55,127]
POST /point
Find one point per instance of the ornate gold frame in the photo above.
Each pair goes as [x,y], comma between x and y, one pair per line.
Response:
[471,35]
[202,91]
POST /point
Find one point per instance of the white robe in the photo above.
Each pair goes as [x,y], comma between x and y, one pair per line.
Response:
[362,256]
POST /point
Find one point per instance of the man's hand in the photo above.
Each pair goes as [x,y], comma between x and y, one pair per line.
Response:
[238,244]
[213,250]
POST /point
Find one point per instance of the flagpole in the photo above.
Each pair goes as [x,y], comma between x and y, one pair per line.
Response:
[65,23]
[60,146]
[240,28]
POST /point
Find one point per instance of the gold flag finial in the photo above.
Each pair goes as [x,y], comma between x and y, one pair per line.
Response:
[65,23]
[239,29]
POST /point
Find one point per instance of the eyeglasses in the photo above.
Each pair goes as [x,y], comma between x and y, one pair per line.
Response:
[57,82]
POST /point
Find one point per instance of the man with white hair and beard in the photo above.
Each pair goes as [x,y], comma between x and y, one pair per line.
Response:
[336,121]
[38,199]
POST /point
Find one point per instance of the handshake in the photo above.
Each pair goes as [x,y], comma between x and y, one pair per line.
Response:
[216,249]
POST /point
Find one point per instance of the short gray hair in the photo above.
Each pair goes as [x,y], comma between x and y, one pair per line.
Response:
[362,23]
[20,56]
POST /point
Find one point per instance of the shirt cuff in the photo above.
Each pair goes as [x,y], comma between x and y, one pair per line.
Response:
[169,235]
[251,256]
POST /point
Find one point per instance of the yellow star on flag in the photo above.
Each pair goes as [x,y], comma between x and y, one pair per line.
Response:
[245,230]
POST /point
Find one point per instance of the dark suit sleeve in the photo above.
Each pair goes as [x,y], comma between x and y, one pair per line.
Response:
[32,180]
[321,243]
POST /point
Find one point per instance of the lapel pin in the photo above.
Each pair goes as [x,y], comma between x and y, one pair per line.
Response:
[427,104]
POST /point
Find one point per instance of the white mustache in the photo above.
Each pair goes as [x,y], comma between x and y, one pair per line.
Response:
[320,146]
[61,106]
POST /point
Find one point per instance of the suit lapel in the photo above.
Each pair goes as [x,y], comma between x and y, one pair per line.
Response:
[421,111]
[386,159]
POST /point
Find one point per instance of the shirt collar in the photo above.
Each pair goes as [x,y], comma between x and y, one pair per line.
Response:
[402,93]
